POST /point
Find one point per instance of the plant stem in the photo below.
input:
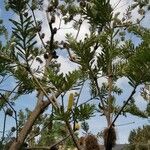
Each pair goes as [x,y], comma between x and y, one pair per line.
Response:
[73,135]
[4,127]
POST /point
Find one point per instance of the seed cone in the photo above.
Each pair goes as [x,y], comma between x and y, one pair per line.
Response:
[91,143]
[109,138]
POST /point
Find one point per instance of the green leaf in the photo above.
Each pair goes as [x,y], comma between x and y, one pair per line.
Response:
[85,126]
[17,35]
[84,112]
[2,103]
[17,24]
[30,39]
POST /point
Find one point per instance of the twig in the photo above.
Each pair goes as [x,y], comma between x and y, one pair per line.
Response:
[4,90]
[36,24]
[52,34]
[98,89]
[3,78]
[87,101]
[43,90]
[113,122]
[116,5]
[49,147]
[79,93]
[41,129]
[14,112]
[4,125]
[127,101]
[15,88]
[124,124]
[72,135]
[79,28]
[61,140]
[59,23]
[54,97]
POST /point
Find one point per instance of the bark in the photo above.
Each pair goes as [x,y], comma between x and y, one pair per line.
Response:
[39,109]
[108,139]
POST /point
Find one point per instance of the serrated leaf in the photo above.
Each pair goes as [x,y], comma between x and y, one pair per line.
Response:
[17,24]
[31,38]
[32,44]
[84,112]
[17,35]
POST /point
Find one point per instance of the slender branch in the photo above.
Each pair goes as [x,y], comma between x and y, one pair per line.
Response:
[5,131]
[7,102]
[116,5]
[61,140]
[15,88]
[36,24]
[74,121]
[65,28]
[124,124]
[11,61]
[80,93]
[113,122]
[54,97]
[3,78]
[110,81]
[43,90]
[87,101]
[73,135]
[51,30]
[39,132]
[4,125]
[98,89]
[126,26]
[78,31]
[59,26]
[14,112]
[49,147]
[127,101]
[4,90]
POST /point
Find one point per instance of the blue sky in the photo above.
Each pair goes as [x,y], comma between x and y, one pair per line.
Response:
[97,123]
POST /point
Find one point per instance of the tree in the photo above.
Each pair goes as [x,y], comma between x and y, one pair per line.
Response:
[139,138]
[104,51]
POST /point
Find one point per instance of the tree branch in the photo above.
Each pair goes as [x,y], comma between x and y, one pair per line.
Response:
[72,135]
[113,122]
[14,113]
[127,101]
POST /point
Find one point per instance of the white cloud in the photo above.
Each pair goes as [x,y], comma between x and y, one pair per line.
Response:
[139,100]
[120,5]
[62,30]
[66,65]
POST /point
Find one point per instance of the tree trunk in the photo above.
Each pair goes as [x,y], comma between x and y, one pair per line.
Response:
[39,109]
